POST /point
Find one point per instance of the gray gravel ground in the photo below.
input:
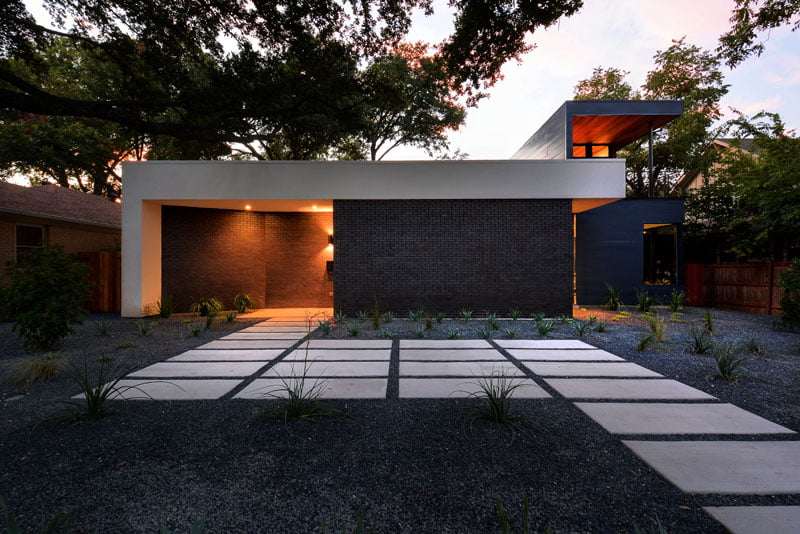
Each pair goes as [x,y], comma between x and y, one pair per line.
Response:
[404,465]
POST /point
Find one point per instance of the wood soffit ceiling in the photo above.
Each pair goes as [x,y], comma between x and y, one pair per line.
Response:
[614,130]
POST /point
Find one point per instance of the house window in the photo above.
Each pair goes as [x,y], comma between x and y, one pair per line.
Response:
[590,151]
[660,254]
[29,238]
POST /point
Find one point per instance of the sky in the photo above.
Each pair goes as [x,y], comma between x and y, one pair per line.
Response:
[613,33]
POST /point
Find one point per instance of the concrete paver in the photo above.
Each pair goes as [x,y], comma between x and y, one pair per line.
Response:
[263,335]
[230,355]
[626,389]
[728,467]
[444,344]
[249,344]
[350,344]
[750,519]
[450,354]
[678,418]
[577,355]
[330,388]
[332,355]
[623,369]
[543,344]
[458,368]
[170,390]
[199,369]
[444,388]
[316,369]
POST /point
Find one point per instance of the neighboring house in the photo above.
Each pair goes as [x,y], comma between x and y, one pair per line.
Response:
[438,235]
[696,179]
[32,216]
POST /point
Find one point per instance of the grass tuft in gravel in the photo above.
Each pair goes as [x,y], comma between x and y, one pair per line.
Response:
[658,327]
[645,342]
[495,393]
[103,328]
[700,342]
[386,334]
[453,333]
[544,327]
[484,332]
[708,323]
[96,393]
[644,301]
[299,397]
[466,314]
[728,362]
[144,327]
[753,346]
[613,301]
[354,329]
[581,328]
[511,332]
[36,369]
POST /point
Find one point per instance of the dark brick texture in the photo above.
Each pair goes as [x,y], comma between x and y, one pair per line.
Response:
[442,255]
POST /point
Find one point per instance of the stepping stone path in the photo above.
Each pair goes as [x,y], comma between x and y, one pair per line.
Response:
[262,361]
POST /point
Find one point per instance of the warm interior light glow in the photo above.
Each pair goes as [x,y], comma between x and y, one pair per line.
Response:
[118,200]
[314,207]
[248,207]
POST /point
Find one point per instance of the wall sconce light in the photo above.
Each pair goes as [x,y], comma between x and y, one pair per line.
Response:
[248,207]
[330,239]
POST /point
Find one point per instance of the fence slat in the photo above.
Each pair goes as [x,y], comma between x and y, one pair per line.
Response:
[106,274]
[750,287]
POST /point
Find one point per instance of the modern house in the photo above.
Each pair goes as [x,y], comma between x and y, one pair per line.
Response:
[441,235]
[695,179]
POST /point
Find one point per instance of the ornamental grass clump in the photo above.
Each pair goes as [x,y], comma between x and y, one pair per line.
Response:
[324,327]
[37,369]
[754,347]
[492,322]
[145,327]
[544,328]
[514,314]
[495,393]
[644,301]
[230,317]
[581,328]
[103,328]
[242,302]
[354,329]
[728,363]
[206,306]
[511,332]
[466,314]
[165,307]
[645,342]
[708,323]
[453,333]
[484,332]
[658,327]
[700,342]
[613,302]
[677,300]
[386,334]
[415,315]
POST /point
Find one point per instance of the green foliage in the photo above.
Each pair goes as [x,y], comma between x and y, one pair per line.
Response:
[754,347]
[354,329]
[591,320]
[324,327]
[708,323]
[677,300]
[728,362]
[453,333]
[790,298]
[495,395]
[440,317]
[127,345]
[645,342]
[242,302]
[644,301]
[544,327]
[44,296]
[339,317]
[581,328]
[386,334]
[210,318]
[658,327]
[61,523]
[230,317]
[613,301]
[514,314]
[362,315]
[484,332]
[195,329]
[511,332]
[104,358]
[31,370]
[420,332]
[299,397]
[537,317]
[600,327]
[387,317]
[103,328]
[415,315]
[144,327]
[750,18]
[375,315]
[428,323]
[165,307]
[700,342]
[466,314]
[492,322]
[605,84]
[98,391]
[206,306]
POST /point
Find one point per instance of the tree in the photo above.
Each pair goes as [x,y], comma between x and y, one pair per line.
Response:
[287,68]
[750,17]
[605,84]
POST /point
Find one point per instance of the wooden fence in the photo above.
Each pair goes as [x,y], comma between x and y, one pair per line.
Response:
[106,269]
[752,287]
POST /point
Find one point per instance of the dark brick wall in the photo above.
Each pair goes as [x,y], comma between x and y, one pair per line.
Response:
[447,254]
[297,249]
[211,253]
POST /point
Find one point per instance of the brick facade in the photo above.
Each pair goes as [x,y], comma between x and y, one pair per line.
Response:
[485,255]
[278,258]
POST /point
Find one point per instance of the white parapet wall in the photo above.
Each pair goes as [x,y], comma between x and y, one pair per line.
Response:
[290,185]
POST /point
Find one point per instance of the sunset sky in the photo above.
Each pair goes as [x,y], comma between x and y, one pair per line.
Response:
[623,34]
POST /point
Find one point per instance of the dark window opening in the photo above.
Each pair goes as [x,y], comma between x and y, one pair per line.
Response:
[660,254]
[29,238]
[589,150]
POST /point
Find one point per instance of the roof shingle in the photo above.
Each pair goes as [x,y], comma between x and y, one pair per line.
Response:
[53,201]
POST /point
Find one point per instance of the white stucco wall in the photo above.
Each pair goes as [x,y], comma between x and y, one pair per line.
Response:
[149,185]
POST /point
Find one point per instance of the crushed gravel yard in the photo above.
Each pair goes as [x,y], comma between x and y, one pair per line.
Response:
[402,465]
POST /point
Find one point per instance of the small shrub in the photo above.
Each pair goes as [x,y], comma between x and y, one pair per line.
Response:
[700,342]
[428,323]
[677,300]
[242,302]
[387,317]
[708,323]
[415,315]
[210,318]
[484,332]
[492,322]
[514,314]
[755,348]
[728,363]
[453,333]
[466,314]
[195,329]
[298,396]
[230,317]
[362,316]
[591,320]
[537,317]
[563,319]
[600,327]
[339,317]
[581,328]
[440,317]
[511,332]
[658,327]
[165,306]
[144,327]
[44,296]
[790,297]
[644,301]
[496,392]
[206,306]
[324,327]
[103,328]
[36,369]
[420,332]
[354,329]
[96,393]
[613,302]
[386,334]
[645,342]
[544,327]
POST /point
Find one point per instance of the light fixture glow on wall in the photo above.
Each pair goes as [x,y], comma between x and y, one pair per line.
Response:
[330,239]
[248,207]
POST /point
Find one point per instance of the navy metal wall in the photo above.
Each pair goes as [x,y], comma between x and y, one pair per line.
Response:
[610,247]
[549,141]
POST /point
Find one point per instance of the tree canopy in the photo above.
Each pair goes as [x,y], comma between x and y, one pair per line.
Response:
[750,17]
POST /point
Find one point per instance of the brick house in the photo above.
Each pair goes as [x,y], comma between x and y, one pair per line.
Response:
[486,235]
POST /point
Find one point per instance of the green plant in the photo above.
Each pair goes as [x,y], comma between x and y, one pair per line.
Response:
[210,318]
[790,297]
[104,358]
[386,334]
[728,362]
[375,315]
[387,317]
[428,323]
[144,327]
[563,319]
[644,342]
[484,332]
[644,301]
[206,306]
[755,348]
[591,320]
[537,317]
[677,300]
[298,396]
[339,317]
[195,329]
[127,345]
[453,333]
[242,302]
[31,370]
[492,322]
[466,314]
[44,296]
[708,323]
[524,527]
[361,315]
[511,332]
[514,314]
[165,306]
[324,327]
[613,302]
[230,317]
[61,523]
[440,317]
[353,329]
[544,327]
[103,328]
[496,392]
[415,315]
[676,317]
[420,332]
[581,328]
[658,327]
[600,327]
[95,393]
[700,342]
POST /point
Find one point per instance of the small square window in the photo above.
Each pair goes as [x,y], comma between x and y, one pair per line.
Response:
[29,238]
[660,254]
